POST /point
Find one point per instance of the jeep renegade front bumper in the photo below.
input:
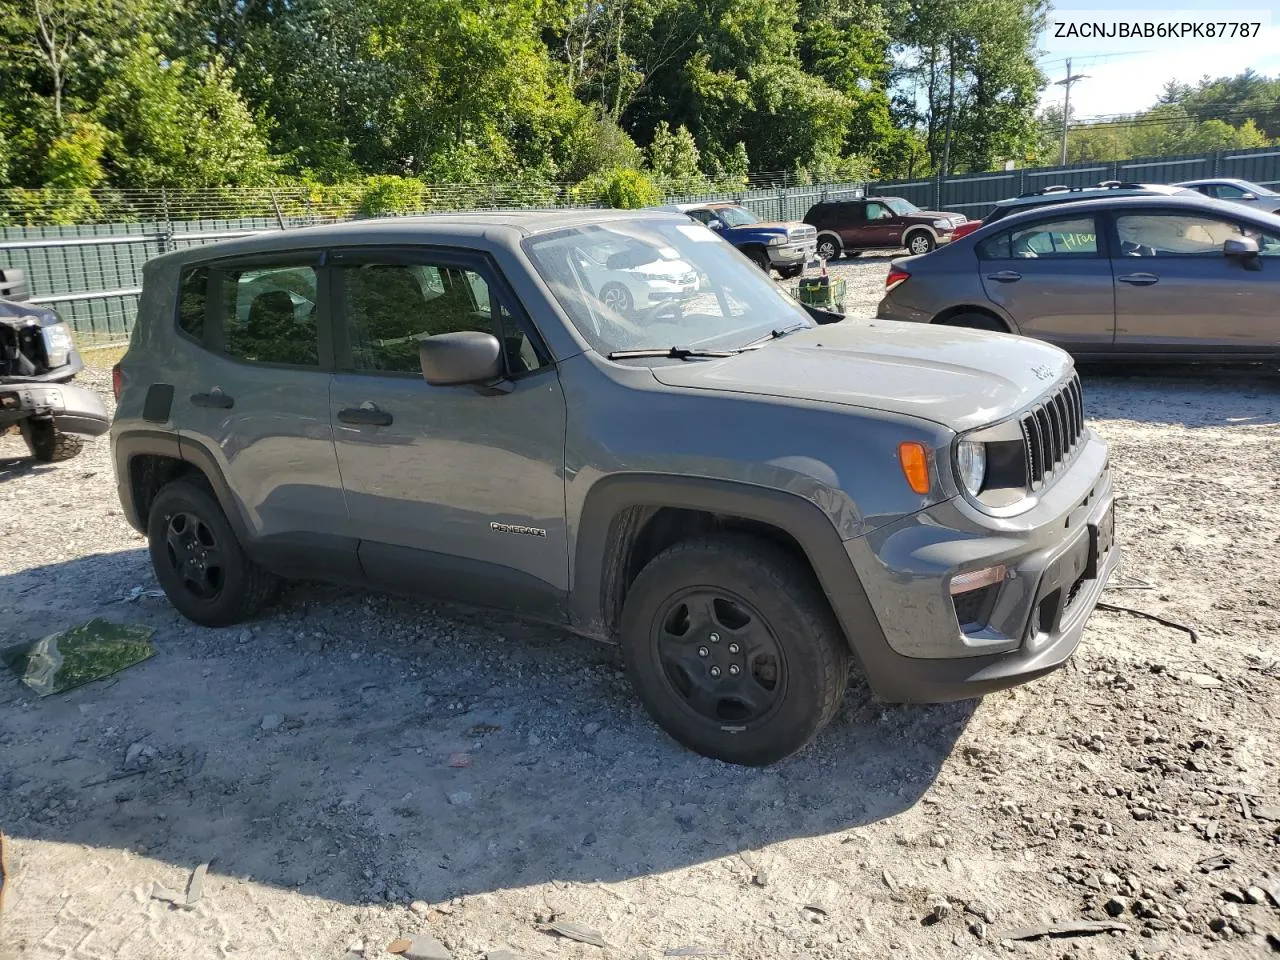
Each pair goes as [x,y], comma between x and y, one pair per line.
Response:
[1052,564]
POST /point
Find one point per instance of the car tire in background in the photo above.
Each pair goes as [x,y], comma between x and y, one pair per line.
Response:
[974,321]
[733,648]
[829,248]
[617,297]
[47,443]
[919,241]
[199,561]
[790,273]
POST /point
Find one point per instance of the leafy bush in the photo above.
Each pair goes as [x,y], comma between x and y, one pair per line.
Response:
[620,188]
[391,195]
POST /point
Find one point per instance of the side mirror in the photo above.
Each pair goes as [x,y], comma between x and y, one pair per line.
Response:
[450,359]
[715,224]
[1240,247]
[1248,196]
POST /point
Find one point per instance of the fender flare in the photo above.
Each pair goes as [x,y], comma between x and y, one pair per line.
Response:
[135,443]
[603,536]
[918,226]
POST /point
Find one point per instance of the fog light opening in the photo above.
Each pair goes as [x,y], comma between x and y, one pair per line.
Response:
[977,579]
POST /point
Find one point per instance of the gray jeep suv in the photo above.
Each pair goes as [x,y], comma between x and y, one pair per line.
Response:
[743,498]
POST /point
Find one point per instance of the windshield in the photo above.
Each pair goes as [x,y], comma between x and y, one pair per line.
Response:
[736,216]
[1258,189]
[902,208]
[657,284]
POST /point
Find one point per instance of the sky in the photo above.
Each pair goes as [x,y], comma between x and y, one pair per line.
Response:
[1127,75]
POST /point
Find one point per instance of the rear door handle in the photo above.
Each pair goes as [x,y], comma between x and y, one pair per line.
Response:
[365,415]
[1139,279]
[1005,276]
[214,398]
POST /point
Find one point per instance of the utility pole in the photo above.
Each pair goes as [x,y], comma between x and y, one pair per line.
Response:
[1066,108]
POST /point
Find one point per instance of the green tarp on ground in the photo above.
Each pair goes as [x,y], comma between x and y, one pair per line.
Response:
[79,655]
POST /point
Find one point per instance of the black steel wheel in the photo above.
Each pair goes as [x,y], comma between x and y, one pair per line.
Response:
[200,562]
[733,649]
[719,656]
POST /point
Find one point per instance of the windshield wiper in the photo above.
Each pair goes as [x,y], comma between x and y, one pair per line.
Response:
[775,335]
[673,353]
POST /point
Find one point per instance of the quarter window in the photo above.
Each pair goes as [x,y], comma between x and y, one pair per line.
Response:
[1175,234]
[269,315]
[193,301]
[391,308]
[1069,238]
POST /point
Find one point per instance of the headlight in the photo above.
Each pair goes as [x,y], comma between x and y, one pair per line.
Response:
[942,224]
[971,465]
[57,344]
[777,241]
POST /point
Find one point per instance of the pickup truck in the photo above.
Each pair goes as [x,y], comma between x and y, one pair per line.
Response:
[770,244]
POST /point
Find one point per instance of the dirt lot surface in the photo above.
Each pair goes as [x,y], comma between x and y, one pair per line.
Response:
[356,769]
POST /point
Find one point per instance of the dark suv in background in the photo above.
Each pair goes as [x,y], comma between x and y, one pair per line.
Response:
[847,227]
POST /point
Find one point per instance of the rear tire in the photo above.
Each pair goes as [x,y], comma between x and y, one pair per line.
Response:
[828,248]
[200,563]
[47,443]
[919,242]
[733,650]
[974,320]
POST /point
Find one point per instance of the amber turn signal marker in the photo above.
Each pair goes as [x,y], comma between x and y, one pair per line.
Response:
[915,466]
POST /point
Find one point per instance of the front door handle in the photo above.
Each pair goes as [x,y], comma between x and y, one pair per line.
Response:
[214,398]
[1139,279]
[365,415]
[1005,276]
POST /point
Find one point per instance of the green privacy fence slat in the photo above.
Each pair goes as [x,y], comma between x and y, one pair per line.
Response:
[102,274]
[973,194]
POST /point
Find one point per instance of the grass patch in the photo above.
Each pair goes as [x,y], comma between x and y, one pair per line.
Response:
[102,357]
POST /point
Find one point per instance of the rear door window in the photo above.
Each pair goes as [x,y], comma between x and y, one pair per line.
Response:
[269,315]
[1076,238]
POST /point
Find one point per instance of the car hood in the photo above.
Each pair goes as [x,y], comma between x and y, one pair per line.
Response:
[938,215]
[959,378]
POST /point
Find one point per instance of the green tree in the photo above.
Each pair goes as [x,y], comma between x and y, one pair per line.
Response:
[674,160]
[181,125]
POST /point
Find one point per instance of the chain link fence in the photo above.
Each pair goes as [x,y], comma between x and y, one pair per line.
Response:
[91,270]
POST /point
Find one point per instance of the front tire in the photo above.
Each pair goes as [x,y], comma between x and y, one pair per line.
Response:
[733,650]
[790,273]
[47,443]
[760,258]
[920,242]
[199,562]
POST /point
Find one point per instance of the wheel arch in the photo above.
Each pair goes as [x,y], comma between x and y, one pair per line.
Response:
[146,460]
[834,236]
[949,314]
[918,228]
[628,519]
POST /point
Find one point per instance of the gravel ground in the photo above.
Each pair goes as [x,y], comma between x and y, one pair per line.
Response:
[357,768]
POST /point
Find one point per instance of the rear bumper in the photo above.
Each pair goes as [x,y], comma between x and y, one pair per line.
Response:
[1058,559]
[73,409]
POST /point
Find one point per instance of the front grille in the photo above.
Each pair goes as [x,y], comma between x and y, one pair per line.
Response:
[803,233]
[1052,432]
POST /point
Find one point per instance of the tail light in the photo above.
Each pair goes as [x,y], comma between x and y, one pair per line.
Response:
[117,381]
[897,276]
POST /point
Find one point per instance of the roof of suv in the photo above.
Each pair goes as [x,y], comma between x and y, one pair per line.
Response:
[507,227]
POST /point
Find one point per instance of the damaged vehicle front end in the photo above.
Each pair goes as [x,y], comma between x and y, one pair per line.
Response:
[38,361]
